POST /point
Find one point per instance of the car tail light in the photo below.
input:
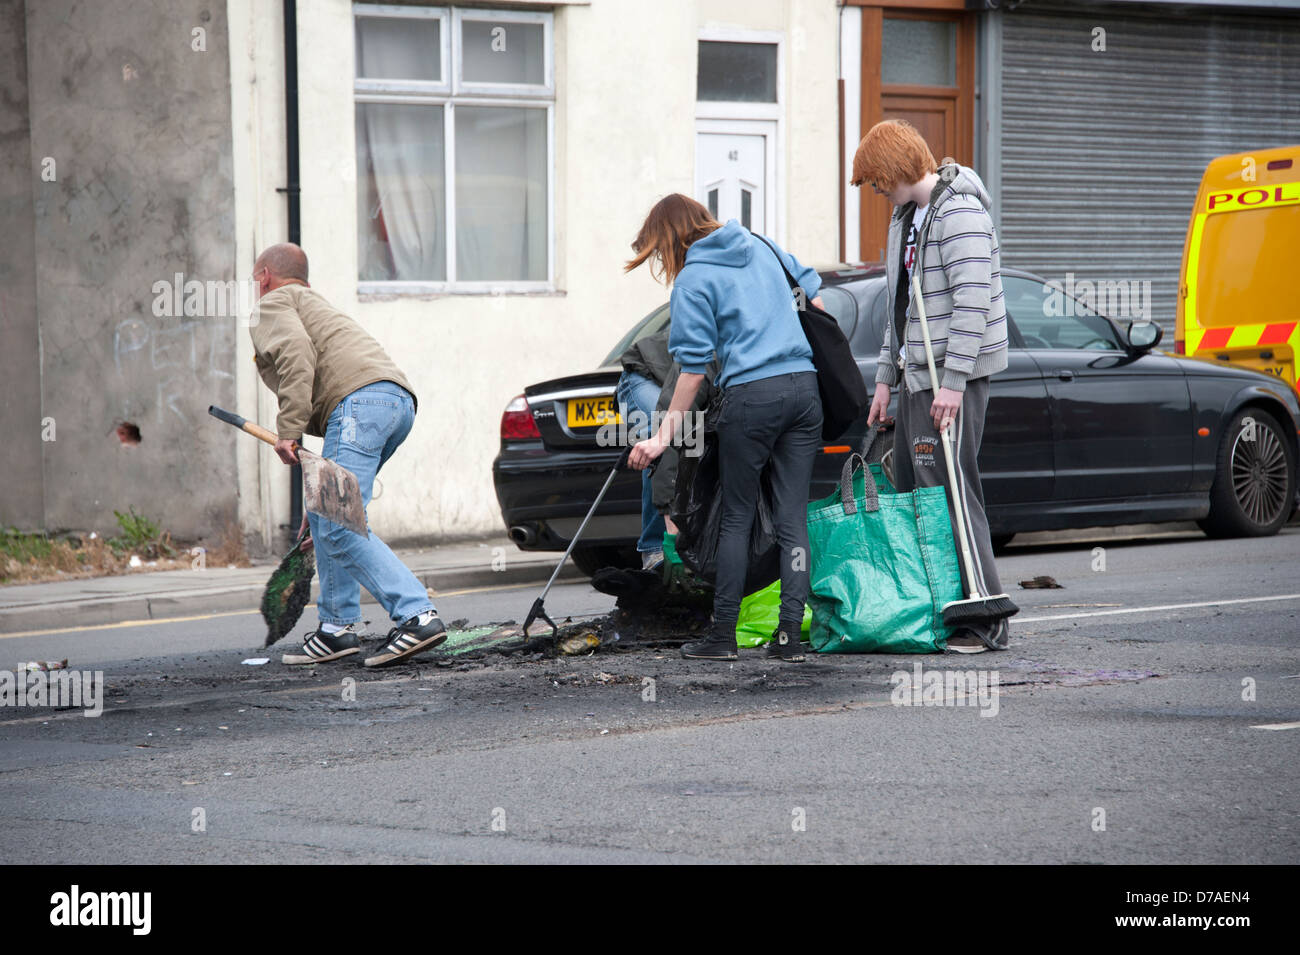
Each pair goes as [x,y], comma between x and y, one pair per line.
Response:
[517,420]
[1180,347]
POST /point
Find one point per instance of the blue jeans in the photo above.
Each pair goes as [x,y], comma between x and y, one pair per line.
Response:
[639,393]
[362,433]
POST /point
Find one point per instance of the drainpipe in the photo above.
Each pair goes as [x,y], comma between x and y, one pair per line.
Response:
[292,192]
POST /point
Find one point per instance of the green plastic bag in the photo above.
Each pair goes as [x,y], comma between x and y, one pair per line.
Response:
[760,615]
[883,564]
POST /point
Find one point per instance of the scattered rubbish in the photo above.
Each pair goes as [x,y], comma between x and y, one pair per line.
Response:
[604,732]
[256,662]
[42,666]
[94,536]
[189,782]
[1041,583]
[223,727]
[227,774]
[602,677]
[460,624]
[135,561]
[583,642]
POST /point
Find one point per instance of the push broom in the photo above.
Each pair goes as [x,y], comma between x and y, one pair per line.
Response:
[976,609]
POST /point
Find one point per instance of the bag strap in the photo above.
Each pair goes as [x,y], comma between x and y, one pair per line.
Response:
[794,285]
[868,440]
[871,501]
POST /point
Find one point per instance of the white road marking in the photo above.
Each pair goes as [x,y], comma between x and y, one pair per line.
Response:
[1277,726]
[1107,613]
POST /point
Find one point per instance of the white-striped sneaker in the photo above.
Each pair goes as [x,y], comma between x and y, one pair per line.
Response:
[410,638]
[322,647]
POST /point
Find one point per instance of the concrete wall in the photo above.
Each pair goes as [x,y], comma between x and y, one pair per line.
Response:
[625,136]
[21,488]
[138,122]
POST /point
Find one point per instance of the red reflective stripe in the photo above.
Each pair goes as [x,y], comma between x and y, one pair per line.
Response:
[1215,338]
[1277,334]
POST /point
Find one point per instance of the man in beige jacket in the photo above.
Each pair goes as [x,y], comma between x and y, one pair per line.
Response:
[334,381]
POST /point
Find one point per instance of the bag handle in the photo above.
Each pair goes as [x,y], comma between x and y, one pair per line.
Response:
[872,500]
[868,440]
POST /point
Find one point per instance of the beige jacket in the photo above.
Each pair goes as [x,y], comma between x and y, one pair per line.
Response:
[313,356]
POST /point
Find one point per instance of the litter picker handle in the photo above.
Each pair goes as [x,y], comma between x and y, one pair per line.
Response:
[243,424]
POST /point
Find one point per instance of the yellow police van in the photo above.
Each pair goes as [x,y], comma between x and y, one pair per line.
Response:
[1239,297]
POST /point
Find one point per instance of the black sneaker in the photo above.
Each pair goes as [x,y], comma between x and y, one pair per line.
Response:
[712,647]
[785,647]
[410,638]
[322,647]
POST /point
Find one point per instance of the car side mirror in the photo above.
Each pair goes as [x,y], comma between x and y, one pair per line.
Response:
[1144,336]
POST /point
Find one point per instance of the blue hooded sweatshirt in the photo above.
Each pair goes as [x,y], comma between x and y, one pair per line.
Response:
[732,298]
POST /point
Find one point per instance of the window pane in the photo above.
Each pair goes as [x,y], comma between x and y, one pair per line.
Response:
[496,51]
[500,194]
[921,52]
[737,72]
[399,48]
[1047,318]
[401,195]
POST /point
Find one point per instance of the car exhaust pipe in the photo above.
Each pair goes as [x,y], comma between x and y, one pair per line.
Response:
[523,534]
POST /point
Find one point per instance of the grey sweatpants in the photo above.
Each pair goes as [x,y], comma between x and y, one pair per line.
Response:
[919,462]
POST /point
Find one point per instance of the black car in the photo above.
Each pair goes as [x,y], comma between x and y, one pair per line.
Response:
[1087,426]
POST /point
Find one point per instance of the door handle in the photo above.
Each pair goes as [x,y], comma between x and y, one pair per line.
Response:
[1065,374]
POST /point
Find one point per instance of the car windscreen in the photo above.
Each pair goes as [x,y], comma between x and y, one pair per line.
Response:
[650,325]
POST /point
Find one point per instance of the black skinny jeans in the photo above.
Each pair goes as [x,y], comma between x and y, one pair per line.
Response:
[776,421]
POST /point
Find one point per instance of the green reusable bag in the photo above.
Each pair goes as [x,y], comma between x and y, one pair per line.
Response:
[883,564]
[760,615]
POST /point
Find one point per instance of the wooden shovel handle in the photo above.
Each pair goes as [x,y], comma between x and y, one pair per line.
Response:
[256,430]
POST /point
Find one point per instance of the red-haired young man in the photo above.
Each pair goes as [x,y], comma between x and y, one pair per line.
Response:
[942,226]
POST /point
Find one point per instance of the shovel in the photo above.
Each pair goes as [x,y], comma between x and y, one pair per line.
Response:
[329,490]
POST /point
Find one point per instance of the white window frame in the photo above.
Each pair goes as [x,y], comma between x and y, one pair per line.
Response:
[766,119]
[447,93]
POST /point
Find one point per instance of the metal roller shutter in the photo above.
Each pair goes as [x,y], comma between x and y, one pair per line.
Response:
[1102,152]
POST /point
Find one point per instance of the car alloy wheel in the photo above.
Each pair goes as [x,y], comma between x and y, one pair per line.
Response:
[1259,473]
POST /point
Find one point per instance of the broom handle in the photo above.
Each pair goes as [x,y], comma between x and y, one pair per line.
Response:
[243,424]
[972,591]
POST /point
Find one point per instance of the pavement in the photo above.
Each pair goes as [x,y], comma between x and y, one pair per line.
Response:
[152,595]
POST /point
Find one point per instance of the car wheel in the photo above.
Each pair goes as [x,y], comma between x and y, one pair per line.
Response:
[591,559]
[1254,478]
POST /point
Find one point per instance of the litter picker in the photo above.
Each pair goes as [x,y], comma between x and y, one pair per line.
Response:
[976,609]
[539,607]
[329,490]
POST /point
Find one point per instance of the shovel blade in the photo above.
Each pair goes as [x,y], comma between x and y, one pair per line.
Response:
[331,491]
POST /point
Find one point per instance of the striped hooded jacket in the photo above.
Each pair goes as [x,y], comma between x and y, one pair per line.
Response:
[961,280]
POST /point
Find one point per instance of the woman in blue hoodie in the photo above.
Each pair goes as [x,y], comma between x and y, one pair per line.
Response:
[730,297]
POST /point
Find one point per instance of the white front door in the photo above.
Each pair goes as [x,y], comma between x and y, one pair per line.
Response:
[731,176]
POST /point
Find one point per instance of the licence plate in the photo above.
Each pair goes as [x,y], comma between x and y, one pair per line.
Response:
[592,412]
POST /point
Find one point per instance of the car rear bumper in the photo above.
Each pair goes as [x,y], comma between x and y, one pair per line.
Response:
[544,495]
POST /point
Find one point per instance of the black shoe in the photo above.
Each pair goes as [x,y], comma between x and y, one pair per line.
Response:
[712,647]
[785,647]
[322,647]
[410,638]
